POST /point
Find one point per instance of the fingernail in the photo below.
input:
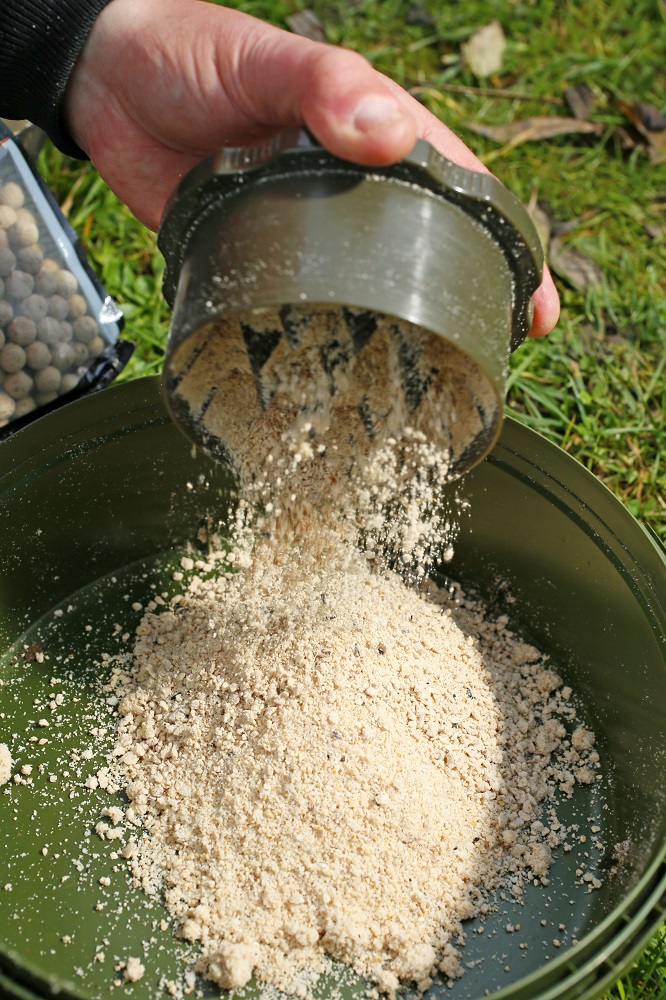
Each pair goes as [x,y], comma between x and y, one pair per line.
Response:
[375,113]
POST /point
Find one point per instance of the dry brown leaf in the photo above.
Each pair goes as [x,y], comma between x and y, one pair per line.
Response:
[420,17]
[631,112]
[560,227]
[579,100]
[651,117]
[306,23]
[656,232]
[626,140]
[484,50]
[540,127]
[542,222]
[644,115]
[657,147]
[574,266]
[639,114]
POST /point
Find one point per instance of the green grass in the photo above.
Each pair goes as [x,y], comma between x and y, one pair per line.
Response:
[122,252]
[597,385]
[646,980]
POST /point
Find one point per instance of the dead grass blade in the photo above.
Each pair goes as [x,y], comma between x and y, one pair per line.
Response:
[535,129]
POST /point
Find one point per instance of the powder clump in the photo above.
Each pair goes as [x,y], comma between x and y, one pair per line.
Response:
[133,971]
[6,763]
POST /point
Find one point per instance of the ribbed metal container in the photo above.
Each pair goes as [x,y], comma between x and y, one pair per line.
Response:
[424,241]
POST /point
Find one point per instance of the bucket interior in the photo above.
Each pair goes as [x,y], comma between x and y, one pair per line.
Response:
[92,495]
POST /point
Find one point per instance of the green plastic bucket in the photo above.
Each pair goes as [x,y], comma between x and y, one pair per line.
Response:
[89,497]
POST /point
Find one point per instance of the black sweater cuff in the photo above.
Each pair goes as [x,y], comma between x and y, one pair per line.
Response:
[40,41]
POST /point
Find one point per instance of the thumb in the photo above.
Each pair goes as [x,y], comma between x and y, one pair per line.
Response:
[350,110]
[347,105]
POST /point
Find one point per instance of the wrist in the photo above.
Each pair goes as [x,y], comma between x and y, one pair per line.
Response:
[41,48]
[88,88]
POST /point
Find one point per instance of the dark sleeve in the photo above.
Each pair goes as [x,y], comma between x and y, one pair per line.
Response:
[40,41]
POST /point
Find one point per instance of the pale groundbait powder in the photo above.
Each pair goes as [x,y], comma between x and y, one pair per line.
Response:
[349,411]
[5,764]
[320,760]
[326,762]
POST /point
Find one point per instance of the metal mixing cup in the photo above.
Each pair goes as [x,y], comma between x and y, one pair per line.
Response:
[442,260]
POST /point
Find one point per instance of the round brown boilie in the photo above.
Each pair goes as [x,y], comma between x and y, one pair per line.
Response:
[45,281]
[7,217]
[12,194]
[85,329]
[66,332]
[35,306]
[18,385]
[95,347]
[48,380]
[24,214]
[77,306]
[42,398]
[69,382]
[30,259]
[23,234]
[19,285]
[7,261]
[66,283]
[79,353]
[48,331]
[61,356]
[22,331]
[12,358]
[58,306]
[6,312]
[24,407]
[51,265]
[7,407]
[38,356]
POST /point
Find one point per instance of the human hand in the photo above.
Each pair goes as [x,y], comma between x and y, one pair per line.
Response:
[161,84]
